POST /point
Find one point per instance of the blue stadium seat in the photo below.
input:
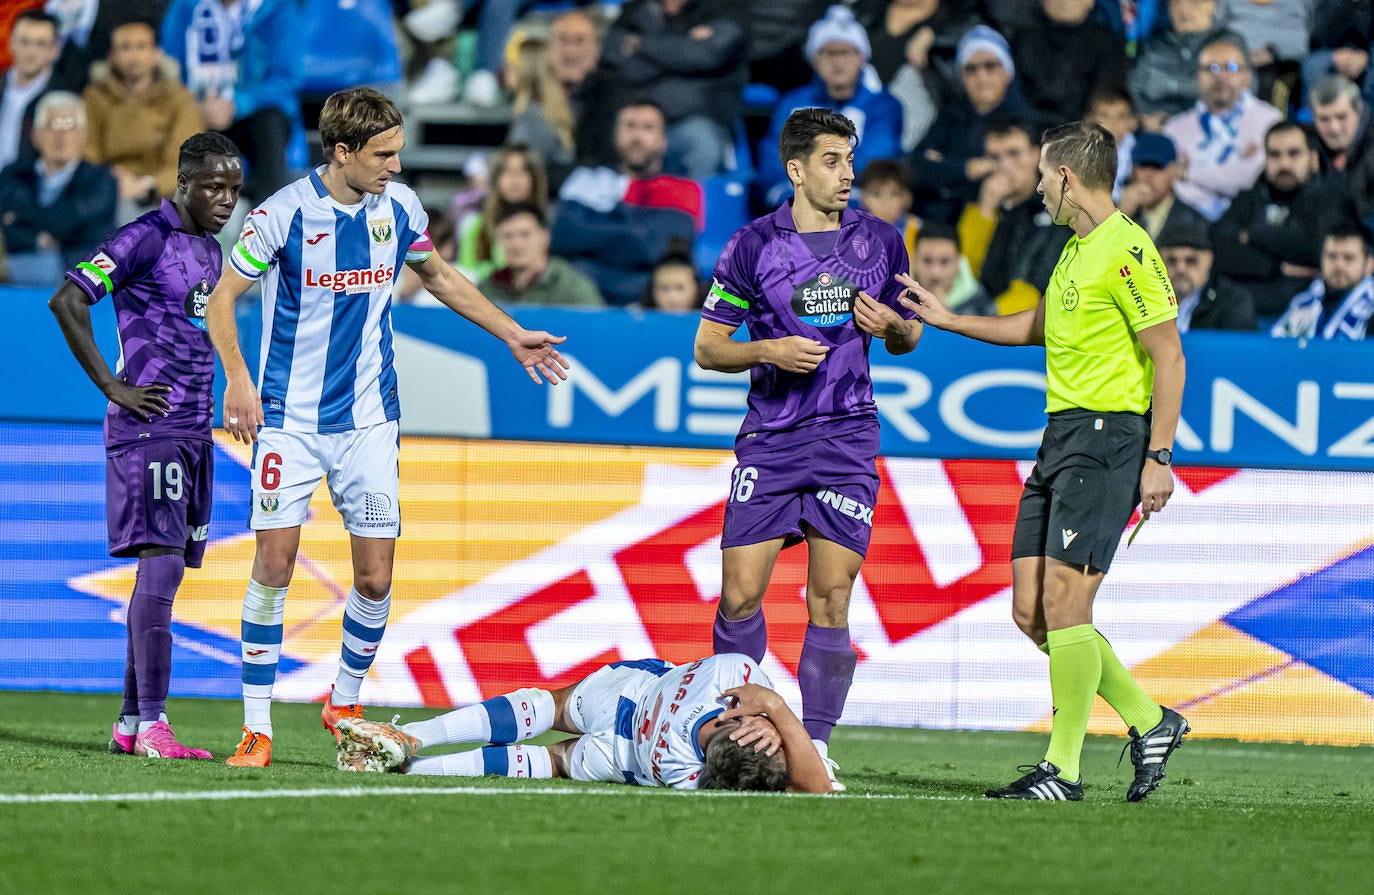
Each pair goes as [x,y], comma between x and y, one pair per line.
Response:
[727,209]
[760,96]
[348,44]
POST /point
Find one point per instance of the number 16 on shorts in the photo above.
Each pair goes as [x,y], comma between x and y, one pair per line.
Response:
[742,483]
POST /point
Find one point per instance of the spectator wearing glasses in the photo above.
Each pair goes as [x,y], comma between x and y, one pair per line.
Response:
[950,162]
[1205,300]
[1164,81]
[33,47]
[56,210]
[1221,139]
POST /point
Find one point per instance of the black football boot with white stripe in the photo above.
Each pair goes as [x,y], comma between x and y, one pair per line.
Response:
[1150,752]
[1043,783]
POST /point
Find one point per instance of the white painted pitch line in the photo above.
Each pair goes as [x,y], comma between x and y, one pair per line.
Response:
[224,795]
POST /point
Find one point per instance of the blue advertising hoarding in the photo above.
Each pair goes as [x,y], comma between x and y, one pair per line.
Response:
[1250,400]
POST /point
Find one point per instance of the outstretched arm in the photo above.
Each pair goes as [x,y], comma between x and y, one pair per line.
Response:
[73,313]
[534,349]
[808,770]
[1025,328]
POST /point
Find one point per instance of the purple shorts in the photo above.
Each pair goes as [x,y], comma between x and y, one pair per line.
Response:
[158,494]
[829,484]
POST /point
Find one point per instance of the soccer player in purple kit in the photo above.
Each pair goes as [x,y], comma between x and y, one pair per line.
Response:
[159,470]
[803,280]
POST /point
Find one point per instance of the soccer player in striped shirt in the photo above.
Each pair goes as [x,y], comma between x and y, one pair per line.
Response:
[159,469]
[710,724]
[327,249]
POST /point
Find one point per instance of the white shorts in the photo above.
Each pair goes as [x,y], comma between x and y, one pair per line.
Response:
[360,466]
[602,705]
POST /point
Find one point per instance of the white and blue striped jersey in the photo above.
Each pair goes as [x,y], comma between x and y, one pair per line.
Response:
[327,272]
[660,748]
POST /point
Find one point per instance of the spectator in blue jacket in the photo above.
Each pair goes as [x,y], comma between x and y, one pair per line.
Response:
[838,48]
[241,59]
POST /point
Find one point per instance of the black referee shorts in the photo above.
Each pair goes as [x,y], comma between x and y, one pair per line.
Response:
[1083,489]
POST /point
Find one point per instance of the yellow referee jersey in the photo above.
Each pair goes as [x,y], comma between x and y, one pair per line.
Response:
[1106,287]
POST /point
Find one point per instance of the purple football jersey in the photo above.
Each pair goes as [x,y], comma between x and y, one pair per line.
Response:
[160,278]
[769,280]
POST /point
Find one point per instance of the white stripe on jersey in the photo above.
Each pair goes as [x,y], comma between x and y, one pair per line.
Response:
[328,270]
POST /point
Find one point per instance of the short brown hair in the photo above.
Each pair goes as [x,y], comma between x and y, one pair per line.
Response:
[352,117]
[804,126]
[1086,149]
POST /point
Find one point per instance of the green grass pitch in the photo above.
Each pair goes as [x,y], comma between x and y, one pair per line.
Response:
[1231,817]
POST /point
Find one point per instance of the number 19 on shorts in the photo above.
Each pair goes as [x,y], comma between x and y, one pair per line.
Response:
[167,480]
[742,483]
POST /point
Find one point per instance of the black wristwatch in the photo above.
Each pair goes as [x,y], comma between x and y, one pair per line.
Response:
[1163,456]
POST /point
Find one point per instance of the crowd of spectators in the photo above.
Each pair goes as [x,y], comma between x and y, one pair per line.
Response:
[640,130]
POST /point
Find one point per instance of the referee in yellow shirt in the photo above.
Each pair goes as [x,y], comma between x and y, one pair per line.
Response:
[1115,369]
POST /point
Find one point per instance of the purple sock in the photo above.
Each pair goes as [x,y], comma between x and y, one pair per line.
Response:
[150,629]
[748,635]
[130,707]
[824,673]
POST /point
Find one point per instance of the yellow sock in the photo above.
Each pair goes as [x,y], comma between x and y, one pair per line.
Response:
[1075,670]
[1122,693]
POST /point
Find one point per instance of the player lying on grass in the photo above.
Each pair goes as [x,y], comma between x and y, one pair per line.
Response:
[713,724]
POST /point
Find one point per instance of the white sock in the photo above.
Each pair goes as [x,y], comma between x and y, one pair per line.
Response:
[264,609]
[822,747]
[533,762]
[364,623]
[500,720]
[144,725]
[129,724]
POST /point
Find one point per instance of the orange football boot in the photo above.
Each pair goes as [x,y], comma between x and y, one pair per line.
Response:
[331,713]
[254,751]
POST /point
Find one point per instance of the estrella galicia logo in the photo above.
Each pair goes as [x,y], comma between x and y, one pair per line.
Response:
[825,301]
[196,301]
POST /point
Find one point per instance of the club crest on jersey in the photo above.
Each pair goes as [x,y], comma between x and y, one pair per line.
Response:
[380,230]
[269,503]
[860,245]
[196,301]
[824,301]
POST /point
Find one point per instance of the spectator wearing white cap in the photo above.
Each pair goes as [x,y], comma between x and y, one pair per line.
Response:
[838,49]
[914,47]
[950,161]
